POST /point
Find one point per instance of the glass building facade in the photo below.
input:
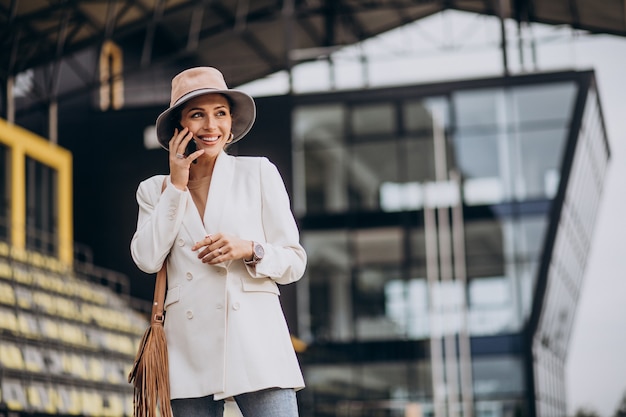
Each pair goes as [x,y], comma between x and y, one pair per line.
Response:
[447,228]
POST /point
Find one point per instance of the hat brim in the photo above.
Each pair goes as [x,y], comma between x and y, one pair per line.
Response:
[244,114]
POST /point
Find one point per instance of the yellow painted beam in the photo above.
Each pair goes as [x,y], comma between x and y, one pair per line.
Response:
[22,143]
[18,196]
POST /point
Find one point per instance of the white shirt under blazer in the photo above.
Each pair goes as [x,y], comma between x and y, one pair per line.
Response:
[225,328]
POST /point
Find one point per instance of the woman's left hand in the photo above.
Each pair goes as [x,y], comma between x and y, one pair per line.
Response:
[219,247]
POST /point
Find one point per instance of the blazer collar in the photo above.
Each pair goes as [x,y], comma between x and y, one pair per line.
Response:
[219,192]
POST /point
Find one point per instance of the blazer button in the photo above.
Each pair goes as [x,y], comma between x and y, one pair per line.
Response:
[189,314]
[189,276]
[181,242]
[236,306]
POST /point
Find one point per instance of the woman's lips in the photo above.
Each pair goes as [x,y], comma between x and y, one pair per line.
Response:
[208,139]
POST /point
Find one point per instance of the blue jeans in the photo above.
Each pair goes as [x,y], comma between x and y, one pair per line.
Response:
[273,402]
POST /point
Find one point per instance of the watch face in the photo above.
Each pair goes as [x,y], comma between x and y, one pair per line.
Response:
[259,251]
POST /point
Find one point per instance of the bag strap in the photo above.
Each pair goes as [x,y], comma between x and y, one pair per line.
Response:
[159,296]
[157,315]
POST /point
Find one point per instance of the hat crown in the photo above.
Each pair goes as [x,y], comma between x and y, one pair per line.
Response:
[193,79]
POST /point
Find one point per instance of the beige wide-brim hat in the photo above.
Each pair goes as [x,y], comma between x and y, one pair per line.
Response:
[195,82]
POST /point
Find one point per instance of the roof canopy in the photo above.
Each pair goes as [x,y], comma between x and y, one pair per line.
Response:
[248,38]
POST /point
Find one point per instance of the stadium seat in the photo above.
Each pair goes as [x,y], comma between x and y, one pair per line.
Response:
[72,334]
[5,269]
[8,320]
[69,401]
[114,372]
[7,295]
[54,362]
[22,275]
[35,401]
[78,366]
[5,249]
[13,394]
[24,297]
[33,359]
[96,369]
[11,356]
[28,325]
[39,398]
[66,308]
[44,302]
[120,343]
[49,328]
[113,405]
[92,403]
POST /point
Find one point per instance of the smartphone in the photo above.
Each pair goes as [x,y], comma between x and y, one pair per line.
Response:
[191,147]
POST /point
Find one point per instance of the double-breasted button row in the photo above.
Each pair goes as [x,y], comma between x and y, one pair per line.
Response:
[220,271]
[236,306]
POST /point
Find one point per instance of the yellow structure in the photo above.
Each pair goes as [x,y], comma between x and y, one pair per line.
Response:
[21,144]
[111,80]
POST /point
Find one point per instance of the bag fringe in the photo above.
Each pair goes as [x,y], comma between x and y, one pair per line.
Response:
[150,375]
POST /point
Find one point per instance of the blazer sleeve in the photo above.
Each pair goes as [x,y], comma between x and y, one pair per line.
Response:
[160,217]
[285,259]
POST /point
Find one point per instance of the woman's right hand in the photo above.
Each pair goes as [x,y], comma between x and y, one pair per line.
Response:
[179,163]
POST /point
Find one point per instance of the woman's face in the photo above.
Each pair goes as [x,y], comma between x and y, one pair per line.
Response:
[208,118]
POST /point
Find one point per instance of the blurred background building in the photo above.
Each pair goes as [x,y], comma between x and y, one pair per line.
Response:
[447,205]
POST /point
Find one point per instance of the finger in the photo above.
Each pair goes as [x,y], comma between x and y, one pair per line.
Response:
[195,155]
[176,142]
[204,252]
[172,139]
[214,257]
[178,135]
[207,241]
[184,141]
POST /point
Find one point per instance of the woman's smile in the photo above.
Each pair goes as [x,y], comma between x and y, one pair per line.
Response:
[208,139]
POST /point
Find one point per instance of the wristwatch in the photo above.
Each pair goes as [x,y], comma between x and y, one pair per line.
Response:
[257,254]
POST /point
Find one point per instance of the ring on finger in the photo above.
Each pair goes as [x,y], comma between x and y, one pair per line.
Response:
[180,156]
[219,250]
[209,237]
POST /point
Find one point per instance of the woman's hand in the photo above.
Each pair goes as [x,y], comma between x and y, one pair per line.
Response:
[179,163]
[219,248]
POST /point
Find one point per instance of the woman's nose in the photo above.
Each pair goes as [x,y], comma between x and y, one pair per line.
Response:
[209,123]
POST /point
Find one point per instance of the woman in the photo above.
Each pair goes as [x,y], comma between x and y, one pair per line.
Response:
[224,226]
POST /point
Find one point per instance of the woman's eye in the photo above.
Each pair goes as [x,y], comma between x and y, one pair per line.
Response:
[196,115]
[221,113]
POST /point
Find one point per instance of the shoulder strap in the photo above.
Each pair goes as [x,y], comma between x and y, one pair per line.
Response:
[159,288]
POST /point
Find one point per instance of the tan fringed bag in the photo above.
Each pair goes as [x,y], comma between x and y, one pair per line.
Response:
[150,372]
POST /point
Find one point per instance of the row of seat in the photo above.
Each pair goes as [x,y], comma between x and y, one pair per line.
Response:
[64,283]
[33,327]
[35,259]
[66,343]
[70,309]
[39,397]
[58,362]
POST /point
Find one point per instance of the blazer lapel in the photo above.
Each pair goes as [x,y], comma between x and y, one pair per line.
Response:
[192,222]
[219,192]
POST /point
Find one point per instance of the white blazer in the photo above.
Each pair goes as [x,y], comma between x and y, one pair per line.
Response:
[226,331]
